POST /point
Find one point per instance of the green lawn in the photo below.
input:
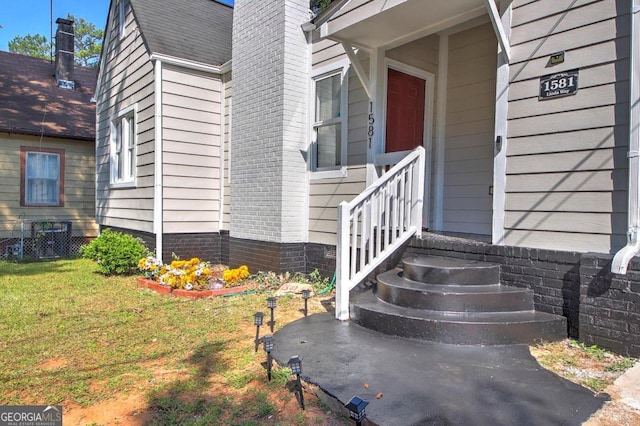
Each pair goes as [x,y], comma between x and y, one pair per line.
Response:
[73,337]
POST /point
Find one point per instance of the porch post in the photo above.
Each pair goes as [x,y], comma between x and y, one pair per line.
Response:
[376,111]
[500,134]
[343,280]
[441,122]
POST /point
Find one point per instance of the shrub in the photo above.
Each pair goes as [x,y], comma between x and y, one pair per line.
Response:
[115,252]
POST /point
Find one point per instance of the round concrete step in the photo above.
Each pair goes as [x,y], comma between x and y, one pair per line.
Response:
[395,289]
[465,328]
[444,270]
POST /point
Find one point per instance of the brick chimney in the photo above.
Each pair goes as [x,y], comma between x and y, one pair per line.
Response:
[64,53]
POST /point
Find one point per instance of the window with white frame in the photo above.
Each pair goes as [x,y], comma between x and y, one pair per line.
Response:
[42,172]
[123,148]
[329,141]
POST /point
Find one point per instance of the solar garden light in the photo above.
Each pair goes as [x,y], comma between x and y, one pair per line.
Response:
[257,321]
[356,408]
[306,294]
[271,304]
[295,364]
[268,344]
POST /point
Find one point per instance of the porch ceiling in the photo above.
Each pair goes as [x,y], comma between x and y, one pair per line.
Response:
[390,23]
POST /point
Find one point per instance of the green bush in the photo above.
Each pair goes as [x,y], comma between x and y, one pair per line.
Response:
[115,252]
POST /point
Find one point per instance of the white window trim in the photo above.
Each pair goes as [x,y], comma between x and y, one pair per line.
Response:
[130,179]
[342,68]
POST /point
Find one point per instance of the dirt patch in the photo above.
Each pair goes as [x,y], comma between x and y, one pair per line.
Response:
[54,363]
[127,410]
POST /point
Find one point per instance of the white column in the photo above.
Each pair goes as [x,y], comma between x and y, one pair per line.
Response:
[500,133]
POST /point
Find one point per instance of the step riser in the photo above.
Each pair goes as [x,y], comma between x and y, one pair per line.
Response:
[473,275]
[459,302]
[460,333]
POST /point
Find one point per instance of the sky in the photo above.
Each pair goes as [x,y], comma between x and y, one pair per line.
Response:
[22,17]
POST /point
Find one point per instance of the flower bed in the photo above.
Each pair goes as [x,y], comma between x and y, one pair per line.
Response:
[191,278]
[194,294]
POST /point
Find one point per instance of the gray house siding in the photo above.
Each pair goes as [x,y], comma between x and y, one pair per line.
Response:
[127,79]
[468,168]
[566,165]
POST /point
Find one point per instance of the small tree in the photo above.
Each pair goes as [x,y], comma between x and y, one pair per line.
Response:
[31,45]
[87,43]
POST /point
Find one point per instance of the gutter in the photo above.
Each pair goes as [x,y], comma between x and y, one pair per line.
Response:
[319,20]
[194,65]
[623,256]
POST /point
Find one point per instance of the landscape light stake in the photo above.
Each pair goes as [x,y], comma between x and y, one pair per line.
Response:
[295,364]
[257,321]
[306,294]
[271,304]
[269,343]
[356,408]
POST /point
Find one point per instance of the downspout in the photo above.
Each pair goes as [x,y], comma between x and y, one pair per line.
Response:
[623,257]
[158,227]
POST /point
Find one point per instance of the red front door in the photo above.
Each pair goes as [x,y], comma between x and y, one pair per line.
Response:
[405,111]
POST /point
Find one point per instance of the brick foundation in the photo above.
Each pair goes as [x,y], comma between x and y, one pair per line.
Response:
[267,256]
[212,247]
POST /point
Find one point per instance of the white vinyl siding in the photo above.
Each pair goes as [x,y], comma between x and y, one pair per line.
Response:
[566,165]
[226,201]
[192,156]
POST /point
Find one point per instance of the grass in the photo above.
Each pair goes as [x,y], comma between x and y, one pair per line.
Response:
[73,337]
[70,336]
[590,366]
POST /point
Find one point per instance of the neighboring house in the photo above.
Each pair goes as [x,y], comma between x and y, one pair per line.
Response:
[528,113]
[47,153]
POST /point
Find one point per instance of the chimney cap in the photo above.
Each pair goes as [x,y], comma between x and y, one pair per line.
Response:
[64,21]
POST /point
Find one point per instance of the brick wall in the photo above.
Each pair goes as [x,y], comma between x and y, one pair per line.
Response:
[321,257]
[601,308]
[206,246]
[269,123]
[212,247]
[610,305]
[267,256]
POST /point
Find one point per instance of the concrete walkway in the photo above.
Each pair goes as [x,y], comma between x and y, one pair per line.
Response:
[409,382]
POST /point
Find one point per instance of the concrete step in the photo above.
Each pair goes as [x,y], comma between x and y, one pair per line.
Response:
[444,270]
[465,328]
[394,288]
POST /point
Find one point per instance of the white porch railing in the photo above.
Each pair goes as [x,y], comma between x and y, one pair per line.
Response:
[375,223]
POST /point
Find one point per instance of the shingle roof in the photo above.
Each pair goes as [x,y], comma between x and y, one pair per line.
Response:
[197,30]
[32,103]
